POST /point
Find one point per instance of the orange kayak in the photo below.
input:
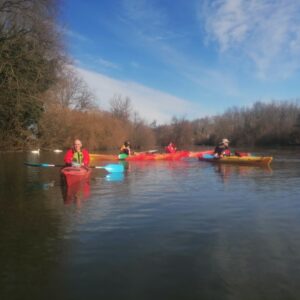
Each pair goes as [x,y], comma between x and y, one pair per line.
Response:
[158,156]
[145,156]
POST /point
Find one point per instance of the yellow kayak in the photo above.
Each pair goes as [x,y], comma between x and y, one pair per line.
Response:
[245,160]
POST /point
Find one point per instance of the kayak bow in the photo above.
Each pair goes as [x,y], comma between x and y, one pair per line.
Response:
[74,175]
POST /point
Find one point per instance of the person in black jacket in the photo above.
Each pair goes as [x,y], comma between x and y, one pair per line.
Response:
[222,149]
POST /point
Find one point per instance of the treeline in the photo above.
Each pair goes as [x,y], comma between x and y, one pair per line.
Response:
[263,124]
[98,129]
[45,104]
[30,59]
[43,101]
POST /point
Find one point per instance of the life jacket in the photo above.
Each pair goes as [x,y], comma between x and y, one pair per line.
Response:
[222,150]
[125,150]
[170,149]
[78,157]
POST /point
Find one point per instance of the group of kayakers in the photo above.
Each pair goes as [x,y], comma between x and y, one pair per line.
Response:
[78,156]
[221,150]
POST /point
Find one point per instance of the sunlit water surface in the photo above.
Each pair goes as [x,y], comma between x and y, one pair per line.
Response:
[165,230]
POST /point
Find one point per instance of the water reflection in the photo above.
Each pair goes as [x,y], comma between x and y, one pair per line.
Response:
[158,164]
[114,177]
[81,192]
[227,171]
[163,230]
[41,186]
[76,193]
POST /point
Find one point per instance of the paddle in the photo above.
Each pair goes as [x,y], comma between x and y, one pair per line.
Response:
[111,168]
[151,151]
[42,165]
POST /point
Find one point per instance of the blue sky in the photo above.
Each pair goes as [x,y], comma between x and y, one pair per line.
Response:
[186,58]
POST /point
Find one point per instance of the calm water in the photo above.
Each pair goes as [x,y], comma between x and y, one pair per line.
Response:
[167,230]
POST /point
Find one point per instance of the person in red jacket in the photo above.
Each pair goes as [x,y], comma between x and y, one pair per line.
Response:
[76,156]
[171,148]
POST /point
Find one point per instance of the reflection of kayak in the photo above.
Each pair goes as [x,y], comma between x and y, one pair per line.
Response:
[244,160]
[76,192]
[145,156]
[74,175]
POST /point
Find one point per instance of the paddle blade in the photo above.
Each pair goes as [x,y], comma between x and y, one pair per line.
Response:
[112,168]
[151,151]
[208,156]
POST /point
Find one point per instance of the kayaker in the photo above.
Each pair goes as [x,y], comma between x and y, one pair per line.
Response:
[222,149]
[125,148]
[171,148]
[76,156]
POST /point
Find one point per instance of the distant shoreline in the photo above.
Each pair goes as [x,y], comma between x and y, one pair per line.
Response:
[190,148]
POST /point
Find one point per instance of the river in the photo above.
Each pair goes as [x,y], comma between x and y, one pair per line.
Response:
[164,230]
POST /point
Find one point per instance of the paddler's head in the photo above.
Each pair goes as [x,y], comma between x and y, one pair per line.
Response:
[225,142]
[77,145]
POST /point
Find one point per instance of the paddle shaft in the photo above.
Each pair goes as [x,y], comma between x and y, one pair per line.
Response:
[112,168]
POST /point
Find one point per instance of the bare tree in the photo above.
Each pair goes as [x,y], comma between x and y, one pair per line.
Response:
[121,108]
[71,91]
[142,135]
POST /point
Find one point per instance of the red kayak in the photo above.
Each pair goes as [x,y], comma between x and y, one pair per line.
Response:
[74,175]
[150,156]
[158,156]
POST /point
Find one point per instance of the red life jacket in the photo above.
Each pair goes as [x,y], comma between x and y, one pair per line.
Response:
[170,148]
